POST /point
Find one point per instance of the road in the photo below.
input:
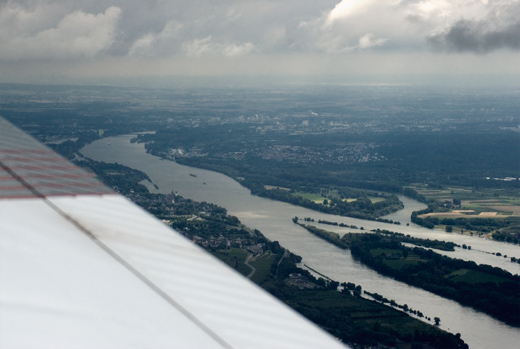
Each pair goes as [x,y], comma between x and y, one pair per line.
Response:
[253,269]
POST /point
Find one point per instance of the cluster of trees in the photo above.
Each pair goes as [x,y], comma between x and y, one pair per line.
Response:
[362,207]
[498,299]
[122,178]
[431,273]
[436,244]
[254,172]
[476,223]
[338,313]
[343,225]
[412,193]
[413,157]
[70,147]
[433,206]
[352,288]
[512,236]
[393,303]
[345,241]
[458,158]
[329,236]
[504,229]
[63,119]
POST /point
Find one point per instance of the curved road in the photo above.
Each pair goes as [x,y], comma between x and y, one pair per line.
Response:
[253,269]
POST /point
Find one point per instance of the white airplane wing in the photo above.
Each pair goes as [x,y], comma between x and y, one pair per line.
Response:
[82,267]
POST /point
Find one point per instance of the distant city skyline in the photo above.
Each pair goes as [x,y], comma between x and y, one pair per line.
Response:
[65,41]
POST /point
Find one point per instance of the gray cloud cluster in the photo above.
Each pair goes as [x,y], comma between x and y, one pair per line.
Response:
[156,28]
[500,29]
[230,28]
[156,36]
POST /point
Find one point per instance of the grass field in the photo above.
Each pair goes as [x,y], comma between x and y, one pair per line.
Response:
[379,251]
[111,172]
[235,258]
[363,312]
[263,266]
[271,187]
[374,199]
[312,196]
[484,201]
[471,214]
[318,198]
[411,259]
[474,277]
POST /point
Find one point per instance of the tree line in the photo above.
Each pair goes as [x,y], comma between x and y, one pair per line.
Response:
[498,299]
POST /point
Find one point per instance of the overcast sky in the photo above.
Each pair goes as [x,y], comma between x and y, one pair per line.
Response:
[42,40]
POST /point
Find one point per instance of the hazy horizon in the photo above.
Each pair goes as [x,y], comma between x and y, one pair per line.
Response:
[333,41]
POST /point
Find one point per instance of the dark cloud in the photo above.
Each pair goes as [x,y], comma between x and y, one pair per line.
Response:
[500,30]
[467,36]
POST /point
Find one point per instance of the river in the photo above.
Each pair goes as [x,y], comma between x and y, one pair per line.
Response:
[273,219]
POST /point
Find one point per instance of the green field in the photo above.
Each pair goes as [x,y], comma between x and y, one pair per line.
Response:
[263,266]
[235,258]
[376,199]
[373,199]
[479,200]
[379,251]
[359,312]
[412,258]
[474,277]
[312,196]
[318,198]
[486,204]
[112,172]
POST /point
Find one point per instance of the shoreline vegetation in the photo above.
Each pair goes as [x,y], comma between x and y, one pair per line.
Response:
[368,203]
[338,242]
[504,316]
[456,155]
[452,156]
[499,221]
[488,289]
[497,227]
[338,195]
[338,309]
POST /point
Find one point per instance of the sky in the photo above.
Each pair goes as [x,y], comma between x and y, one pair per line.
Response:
[70,40]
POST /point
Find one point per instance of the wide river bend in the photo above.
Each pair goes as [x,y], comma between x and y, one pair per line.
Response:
[273,219]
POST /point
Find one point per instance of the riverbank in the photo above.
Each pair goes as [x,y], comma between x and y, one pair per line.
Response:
[273,219]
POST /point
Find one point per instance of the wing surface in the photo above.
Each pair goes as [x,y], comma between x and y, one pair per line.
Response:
[82,267]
